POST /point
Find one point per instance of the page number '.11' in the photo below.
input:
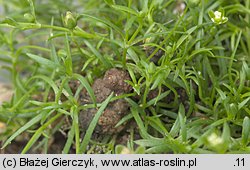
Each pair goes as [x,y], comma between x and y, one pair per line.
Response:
[240,162]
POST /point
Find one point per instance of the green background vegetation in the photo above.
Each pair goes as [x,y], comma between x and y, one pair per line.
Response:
[43,50]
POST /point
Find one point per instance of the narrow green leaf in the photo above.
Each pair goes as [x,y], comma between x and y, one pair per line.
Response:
[150,142]
[242,80]
[86,85]
[125,9]
[135,113]
[69,141]
[104,21]
[104,61]
[68,60]
[226,137]
[124,119]
[243,103]
[158,98]
[132,54]
[175,128]
[46,79]
[93,124]
[39,132]
[129,23]
[232,59]
[32,8]
[74,112]
[139,123]
[110,2]
[43,61]
[200,51]
[145,6]
[222,94]
[245,131]
[182,118]
[184,37]
[23,128]
[159,78]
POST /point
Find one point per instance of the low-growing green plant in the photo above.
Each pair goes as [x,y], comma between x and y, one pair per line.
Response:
[192,55]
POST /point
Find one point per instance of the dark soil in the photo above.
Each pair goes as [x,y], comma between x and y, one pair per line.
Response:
[113,81]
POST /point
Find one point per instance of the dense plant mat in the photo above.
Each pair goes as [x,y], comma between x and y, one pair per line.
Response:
[134,76]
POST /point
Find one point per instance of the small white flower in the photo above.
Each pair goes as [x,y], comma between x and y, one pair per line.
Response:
[214,139]
[218,17]
[217,14]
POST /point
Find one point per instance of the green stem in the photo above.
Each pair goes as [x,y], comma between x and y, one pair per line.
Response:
[39,132]
[247,28]
[136,32]
[58,95]
[76,126]
[55,28]
[144,102]
[124,56]
[232,60]
[200,21]
[169,35]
